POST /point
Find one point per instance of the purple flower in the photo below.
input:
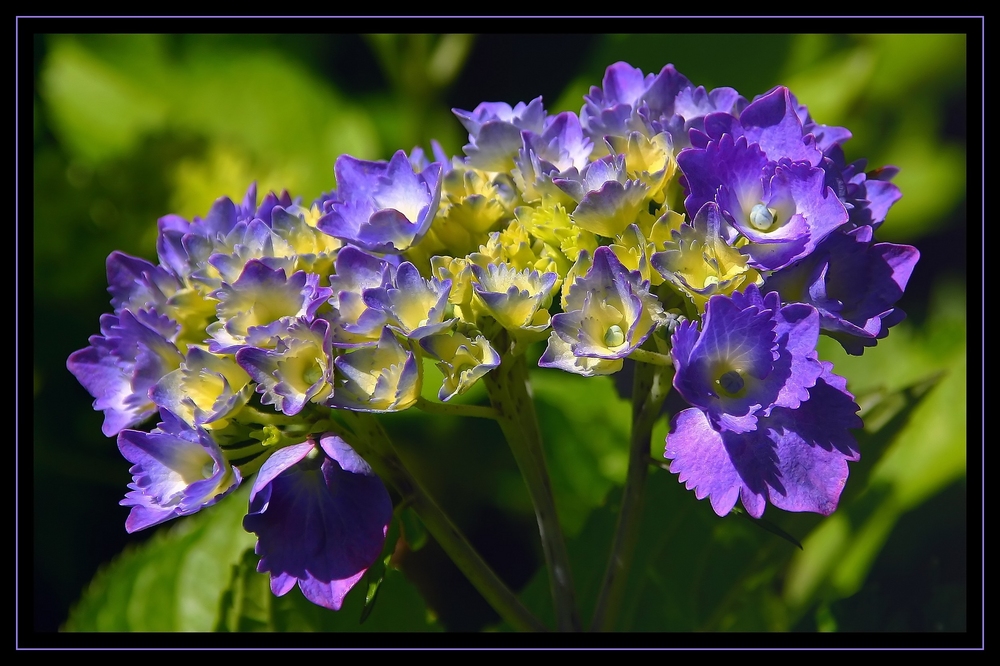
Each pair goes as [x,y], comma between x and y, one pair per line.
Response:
[495,131]
[751,355]
[868,196]
[608,201]
[608,313]
[650,104]
[261,304]
[385,377]
[133,352]
[185,247]
[770,421]
[298,370]
[772,122]
[320,515]
[177,470]
[353,322]
[854,283]
[382,206]
[796,459]
[783,208]
[413,306]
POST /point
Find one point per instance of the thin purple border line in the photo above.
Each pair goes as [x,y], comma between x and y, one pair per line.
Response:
[982,311]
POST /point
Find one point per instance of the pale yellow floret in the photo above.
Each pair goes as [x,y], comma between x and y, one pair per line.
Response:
[194,312]
[650,160]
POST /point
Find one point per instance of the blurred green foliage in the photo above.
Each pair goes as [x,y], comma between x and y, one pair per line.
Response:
[128,128]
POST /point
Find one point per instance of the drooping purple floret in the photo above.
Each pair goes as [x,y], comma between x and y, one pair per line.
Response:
[177,470]
[380,206]
[853,283]
[320,515]
[122,364]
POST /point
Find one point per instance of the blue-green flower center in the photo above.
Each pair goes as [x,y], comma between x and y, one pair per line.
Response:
[731,382]
[614,336]
[313,374]
[761,218]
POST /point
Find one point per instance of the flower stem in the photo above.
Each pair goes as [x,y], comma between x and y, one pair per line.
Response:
[449,409]
[650,386]
[371,441]
[508,388]
[651,357]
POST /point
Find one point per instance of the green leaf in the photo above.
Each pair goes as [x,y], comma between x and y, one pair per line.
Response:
[173,582]
[373,581]
[413,529]
[246,605]
[105,93]
[199,574]
[400,609]
[692,570]
[585,429]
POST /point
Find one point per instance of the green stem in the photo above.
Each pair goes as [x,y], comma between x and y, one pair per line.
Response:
[650,386]
[456,409]
[507,386]
[372,442]
[651,357]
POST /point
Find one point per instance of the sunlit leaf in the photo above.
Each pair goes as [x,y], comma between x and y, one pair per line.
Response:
[173,582]
[585,427]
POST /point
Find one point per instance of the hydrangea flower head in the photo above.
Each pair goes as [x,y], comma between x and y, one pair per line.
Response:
[320,515]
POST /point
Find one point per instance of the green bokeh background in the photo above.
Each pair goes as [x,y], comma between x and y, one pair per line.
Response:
[128,128]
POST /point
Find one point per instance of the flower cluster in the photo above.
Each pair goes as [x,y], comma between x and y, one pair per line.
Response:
[663,221]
